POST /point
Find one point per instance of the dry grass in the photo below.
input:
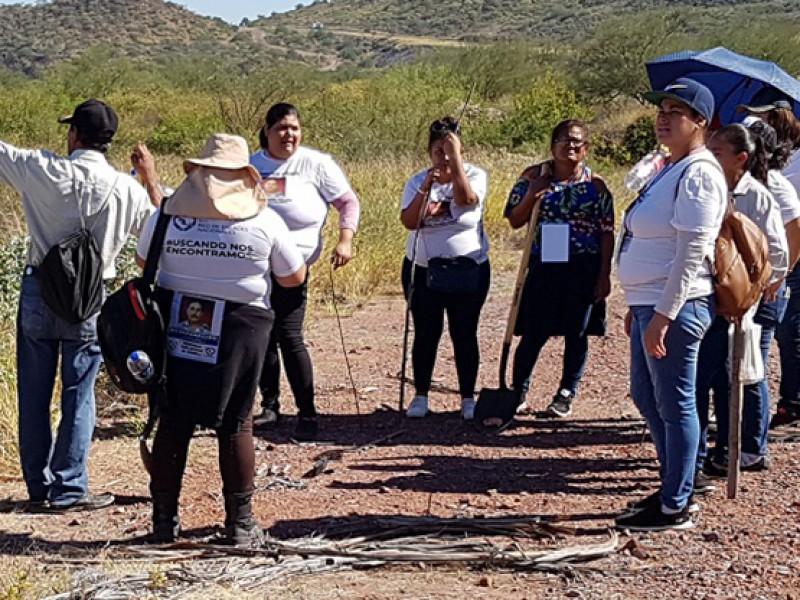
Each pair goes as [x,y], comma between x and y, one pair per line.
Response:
[379,249]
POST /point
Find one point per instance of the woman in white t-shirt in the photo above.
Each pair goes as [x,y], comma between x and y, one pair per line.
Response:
[776,109]
[451,193]
[300,183]
[667,243]
[222,252]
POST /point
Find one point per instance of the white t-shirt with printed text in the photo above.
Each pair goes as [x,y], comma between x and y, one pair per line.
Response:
[300,190]
[458,230]
[227,260]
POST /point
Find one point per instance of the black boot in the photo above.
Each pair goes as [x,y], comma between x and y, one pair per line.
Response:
[241,527]
[166,524]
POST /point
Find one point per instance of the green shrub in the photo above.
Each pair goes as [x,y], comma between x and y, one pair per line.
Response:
[538,110]
[639,139]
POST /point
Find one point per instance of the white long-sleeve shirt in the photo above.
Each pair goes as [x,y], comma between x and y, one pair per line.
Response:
[52,187]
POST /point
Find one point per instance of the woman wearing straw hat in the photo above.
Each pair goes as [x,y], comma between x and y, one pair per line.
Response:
[301,184]
[222,251]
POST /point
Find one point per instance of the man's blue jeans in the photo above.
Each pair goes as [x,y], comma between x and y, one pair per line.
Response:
[54,470]
[664,392]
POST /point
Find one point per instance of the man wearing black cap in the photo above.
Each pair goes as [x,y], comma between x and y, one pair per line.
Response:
[58,195]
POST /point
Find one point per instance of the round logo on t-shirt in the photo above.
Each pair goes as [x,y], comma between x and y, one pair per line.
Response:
[184,223]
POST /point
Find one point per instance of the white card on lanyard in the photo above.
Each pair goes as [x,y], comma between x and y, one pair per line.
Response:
[555,242]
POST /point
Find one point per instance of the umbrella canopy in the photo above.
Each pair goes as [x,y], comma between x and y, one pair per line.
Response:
[733,78]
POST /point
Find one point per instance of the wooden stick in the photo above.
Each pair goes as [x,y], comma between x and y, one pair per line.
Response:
[735,407]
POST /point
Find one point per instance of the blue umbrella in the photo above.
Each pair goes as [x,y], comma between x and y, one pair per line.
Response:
[733,78]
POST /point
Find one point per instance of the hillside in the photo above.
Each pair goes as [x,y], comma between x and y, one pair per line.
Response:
[362,28]
[331,33]
[34,36]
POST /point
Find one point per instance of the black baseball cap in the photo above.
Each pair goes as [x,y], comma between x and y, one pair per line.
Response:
[766,99]
[95,120]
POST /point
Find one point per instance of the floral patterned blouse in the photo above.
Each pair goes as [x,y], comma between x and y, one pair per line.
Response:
[588,211]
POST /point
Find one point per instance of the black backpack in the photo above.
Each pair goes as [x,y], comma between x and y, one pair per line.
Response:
[131,320]
[71,273]
[71,276]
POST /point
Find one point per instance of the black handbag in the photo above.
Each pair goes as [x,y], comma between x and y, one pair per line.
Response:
[456,275]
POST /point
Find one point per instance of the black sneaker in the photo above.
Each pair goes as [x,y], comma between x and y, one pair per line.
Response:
[652,519]
[715,470]
[654,499]
[703,483]
[762,464]
[88,502]
[783,417]
[561,406]
[306,429]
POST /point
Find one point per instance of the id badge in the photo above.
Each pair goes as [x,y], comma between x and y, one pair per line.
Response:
[195,328]
[555,242]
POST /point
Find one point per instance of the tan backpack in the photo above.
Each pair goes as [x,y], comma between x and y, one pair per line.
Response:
[742,269]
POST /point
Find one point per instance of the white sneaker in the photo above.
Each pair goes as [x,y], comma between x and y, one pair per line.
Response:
[468,408]
[418,407]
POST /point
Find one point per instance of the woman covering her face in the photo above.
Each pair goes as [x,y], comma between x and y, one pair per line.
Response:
[665,254]
[442,207]
[570,263]
[301,184]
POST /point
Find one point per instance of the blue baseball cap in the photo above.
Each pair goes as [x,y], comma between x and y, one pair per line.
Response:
[692,93]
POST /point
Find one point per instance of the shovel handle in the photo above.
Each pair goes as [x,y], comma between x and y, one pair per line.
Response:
[519,285]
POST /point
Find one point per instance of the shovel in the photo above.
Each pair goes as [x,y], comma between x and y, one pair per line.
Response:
[496,408]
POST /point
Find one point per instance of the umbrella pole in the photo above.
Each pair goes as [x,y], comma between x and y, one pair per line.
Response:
[735,417]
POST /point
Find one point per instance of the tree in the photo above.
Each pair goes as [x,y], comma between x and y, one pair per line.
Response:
[612,63]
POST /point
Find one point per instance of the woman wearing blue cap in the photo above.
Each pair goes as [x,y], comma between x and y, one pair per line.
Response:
[668,236]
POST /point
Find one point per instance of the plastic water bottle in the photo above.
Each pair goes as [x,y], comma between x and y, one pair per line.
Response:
[644,170]
[140,366]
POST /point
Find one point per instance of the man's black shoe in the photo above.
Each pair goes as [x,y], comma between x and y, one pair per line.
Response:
[88,502]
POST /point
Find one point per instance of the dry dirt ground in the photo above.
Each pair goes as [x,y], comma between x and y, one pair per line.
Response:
[582,469]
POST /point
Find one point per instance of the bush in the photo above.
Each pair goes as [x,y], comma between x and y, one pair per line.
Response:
[639,139]
[538,110]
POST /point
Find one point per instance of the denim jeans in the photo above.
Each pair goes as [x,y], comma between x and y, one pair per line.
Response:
[755,399]
[788,336]
[54,470]
[664,392]
[713,375]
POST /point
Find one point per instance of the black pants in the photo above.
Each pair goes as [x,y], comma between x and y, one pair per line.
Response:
[576,351]
[237,456]
[428,308]
[289,305]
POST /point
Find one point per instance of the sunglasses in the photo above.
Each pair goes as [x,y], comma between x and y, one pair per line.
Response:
[573,142]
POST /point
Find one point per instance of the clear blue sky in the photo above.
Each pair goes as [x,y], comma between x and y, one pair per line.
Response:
[230,10]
